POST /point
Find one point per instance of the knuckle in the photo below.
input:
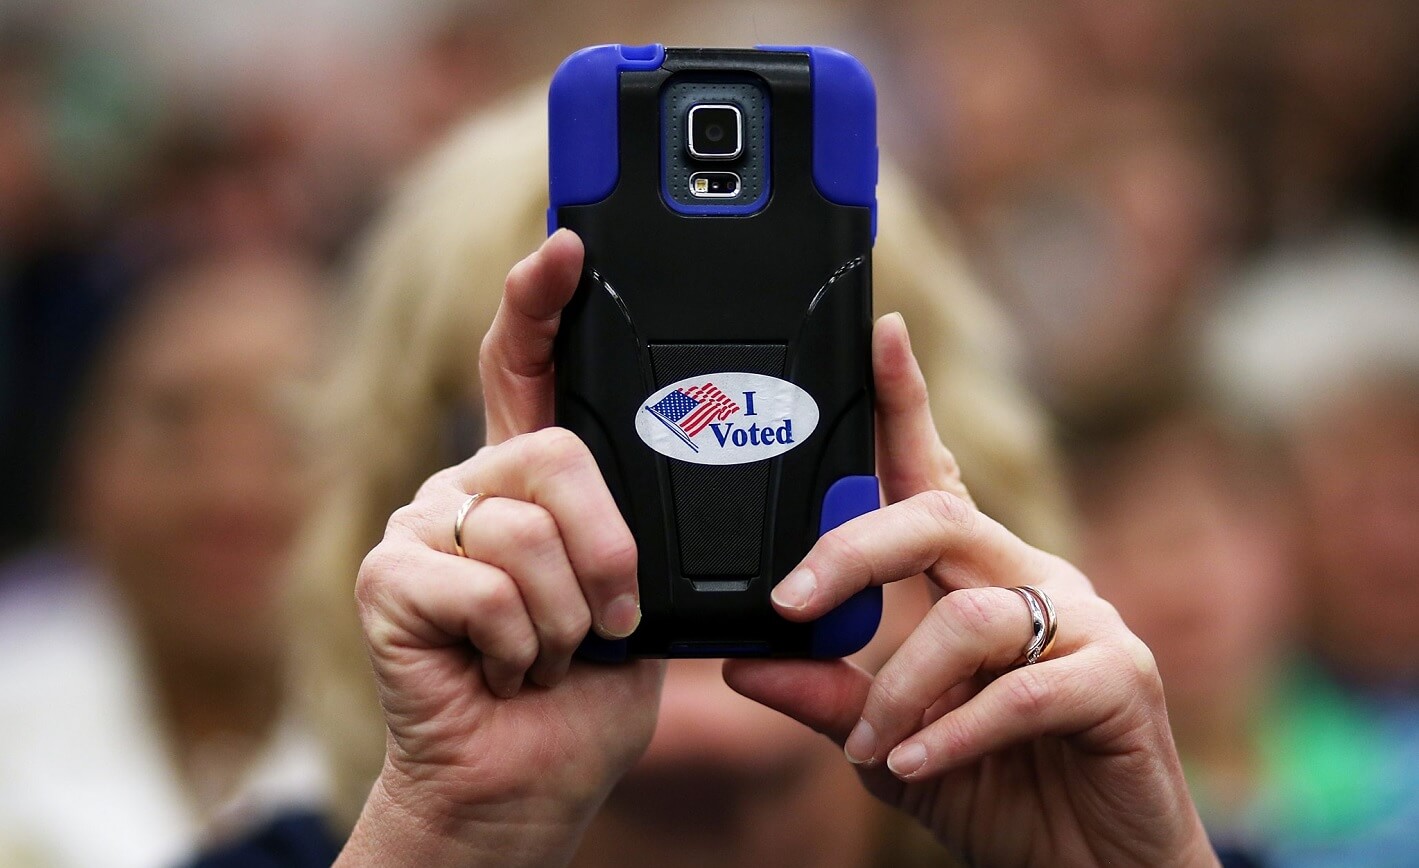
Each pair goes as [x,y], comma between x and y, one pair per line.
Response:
[616,553]
[1099,618]
[968,611]
[558,449]
[498,600]
[1108,613]
[487,350]
[843,555]
[435,485]
[570,628]
[519,275]
[527,527]
[425,490]
[1054,565]
[407,517]
[378,579]
[955,734]
[1029,692]
[951,511]
[379,568]
[889,696]
[1142,666]
[522,651]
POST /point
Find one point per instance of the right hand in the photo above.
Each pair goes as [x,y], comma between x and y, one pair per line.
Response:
[1073,757]
[500,746]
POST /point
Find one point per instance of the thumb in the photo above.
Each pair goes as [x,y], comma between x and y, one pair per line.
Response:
[826,696]
[515,361]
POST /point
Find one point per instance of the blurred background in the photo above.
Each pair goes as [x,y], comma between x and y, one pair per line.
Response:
[1202,217]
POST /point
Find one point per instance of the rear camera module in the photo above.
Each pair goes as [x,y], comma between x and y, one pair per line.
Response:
[714,185]
[716,132]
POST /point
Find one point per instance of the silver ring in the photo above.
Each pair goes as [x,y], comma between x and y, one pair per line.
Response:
[462,516]
[1043,623]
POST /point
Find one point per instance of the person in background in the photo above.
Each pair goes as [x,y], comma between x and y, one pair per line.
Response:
[1105,255]
[142,687]
[1186,531]
[1321,343]
[1315,349]
[1080,150]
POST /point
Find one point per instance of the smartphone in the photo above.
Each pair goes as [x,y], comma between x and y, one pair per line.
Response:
[716,357]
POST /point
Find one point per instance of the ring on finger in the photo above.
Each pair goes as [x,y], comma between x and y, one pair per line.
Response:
[1044,623]
[462,517]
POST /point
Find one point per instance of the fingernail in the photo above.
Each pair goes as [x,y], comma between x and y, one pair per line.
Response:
[796,589]
[621,617]
[861,745]
[907,759]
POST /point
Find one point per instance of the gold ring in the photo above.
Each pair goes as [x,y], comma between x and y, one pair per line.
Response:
[1043,623]
[462,516]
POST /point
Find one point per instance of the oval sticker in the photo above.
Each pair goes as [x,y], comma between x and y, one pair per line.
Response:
[726,418]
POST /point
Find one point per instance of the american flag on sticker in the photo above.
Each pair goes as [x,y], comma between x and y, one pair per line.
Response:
[686,412]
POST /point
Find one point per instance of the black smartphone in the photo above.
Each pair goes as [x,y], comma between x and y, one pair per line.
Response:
[716,357]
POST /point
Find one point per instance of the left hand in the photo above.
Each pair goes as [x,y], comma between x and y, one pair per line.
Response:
[1069,761]
[500,747]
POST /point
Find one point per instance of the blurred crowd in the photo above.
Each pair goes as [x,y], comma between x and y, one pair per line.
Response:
[1201,217]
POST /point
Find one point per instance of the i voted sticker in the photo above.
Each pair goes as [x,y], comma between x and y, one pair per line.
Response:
[727,418]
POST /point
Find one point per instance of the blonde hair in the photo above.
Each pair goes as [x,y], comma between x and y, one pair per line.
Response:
[426,291]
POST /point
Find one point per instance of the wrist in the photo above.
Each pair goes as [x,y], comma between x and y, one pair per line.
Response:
[404,824]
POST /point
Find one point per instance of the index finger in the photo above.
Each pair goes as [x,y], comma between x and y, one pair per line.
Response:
[910,455]
[515,360]
[934,532]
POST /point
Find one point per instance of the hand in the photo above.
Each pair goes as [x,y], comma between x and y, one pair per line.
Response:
[1069,761]
[481,765]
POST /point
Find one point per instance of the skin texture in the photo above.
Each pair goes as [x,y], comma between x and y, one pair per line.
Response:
[502,750]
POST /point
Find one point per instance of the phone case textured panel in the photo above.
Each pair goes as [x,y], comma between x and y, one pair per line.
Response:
[780,288]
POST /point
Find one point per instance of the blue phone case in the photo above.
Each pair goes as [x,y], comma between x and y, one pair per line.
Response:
[807,323]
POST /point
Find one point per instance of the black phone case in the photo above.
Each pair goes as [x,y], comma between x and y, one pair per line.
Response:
[779,288]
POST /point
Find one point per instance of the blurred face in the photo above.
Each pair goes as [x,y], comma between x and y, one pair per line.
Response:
[1100,259]
[1359,471]
[1194,559]
[185,483]
[993,81]
[727,781]
[1144,40]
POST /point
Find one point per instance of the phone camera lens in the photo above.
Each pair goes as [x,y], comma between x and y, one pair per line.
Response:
[716,132]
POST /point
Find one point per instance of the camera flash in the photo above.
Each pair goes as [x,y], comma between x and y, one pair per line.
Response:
[714,185]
